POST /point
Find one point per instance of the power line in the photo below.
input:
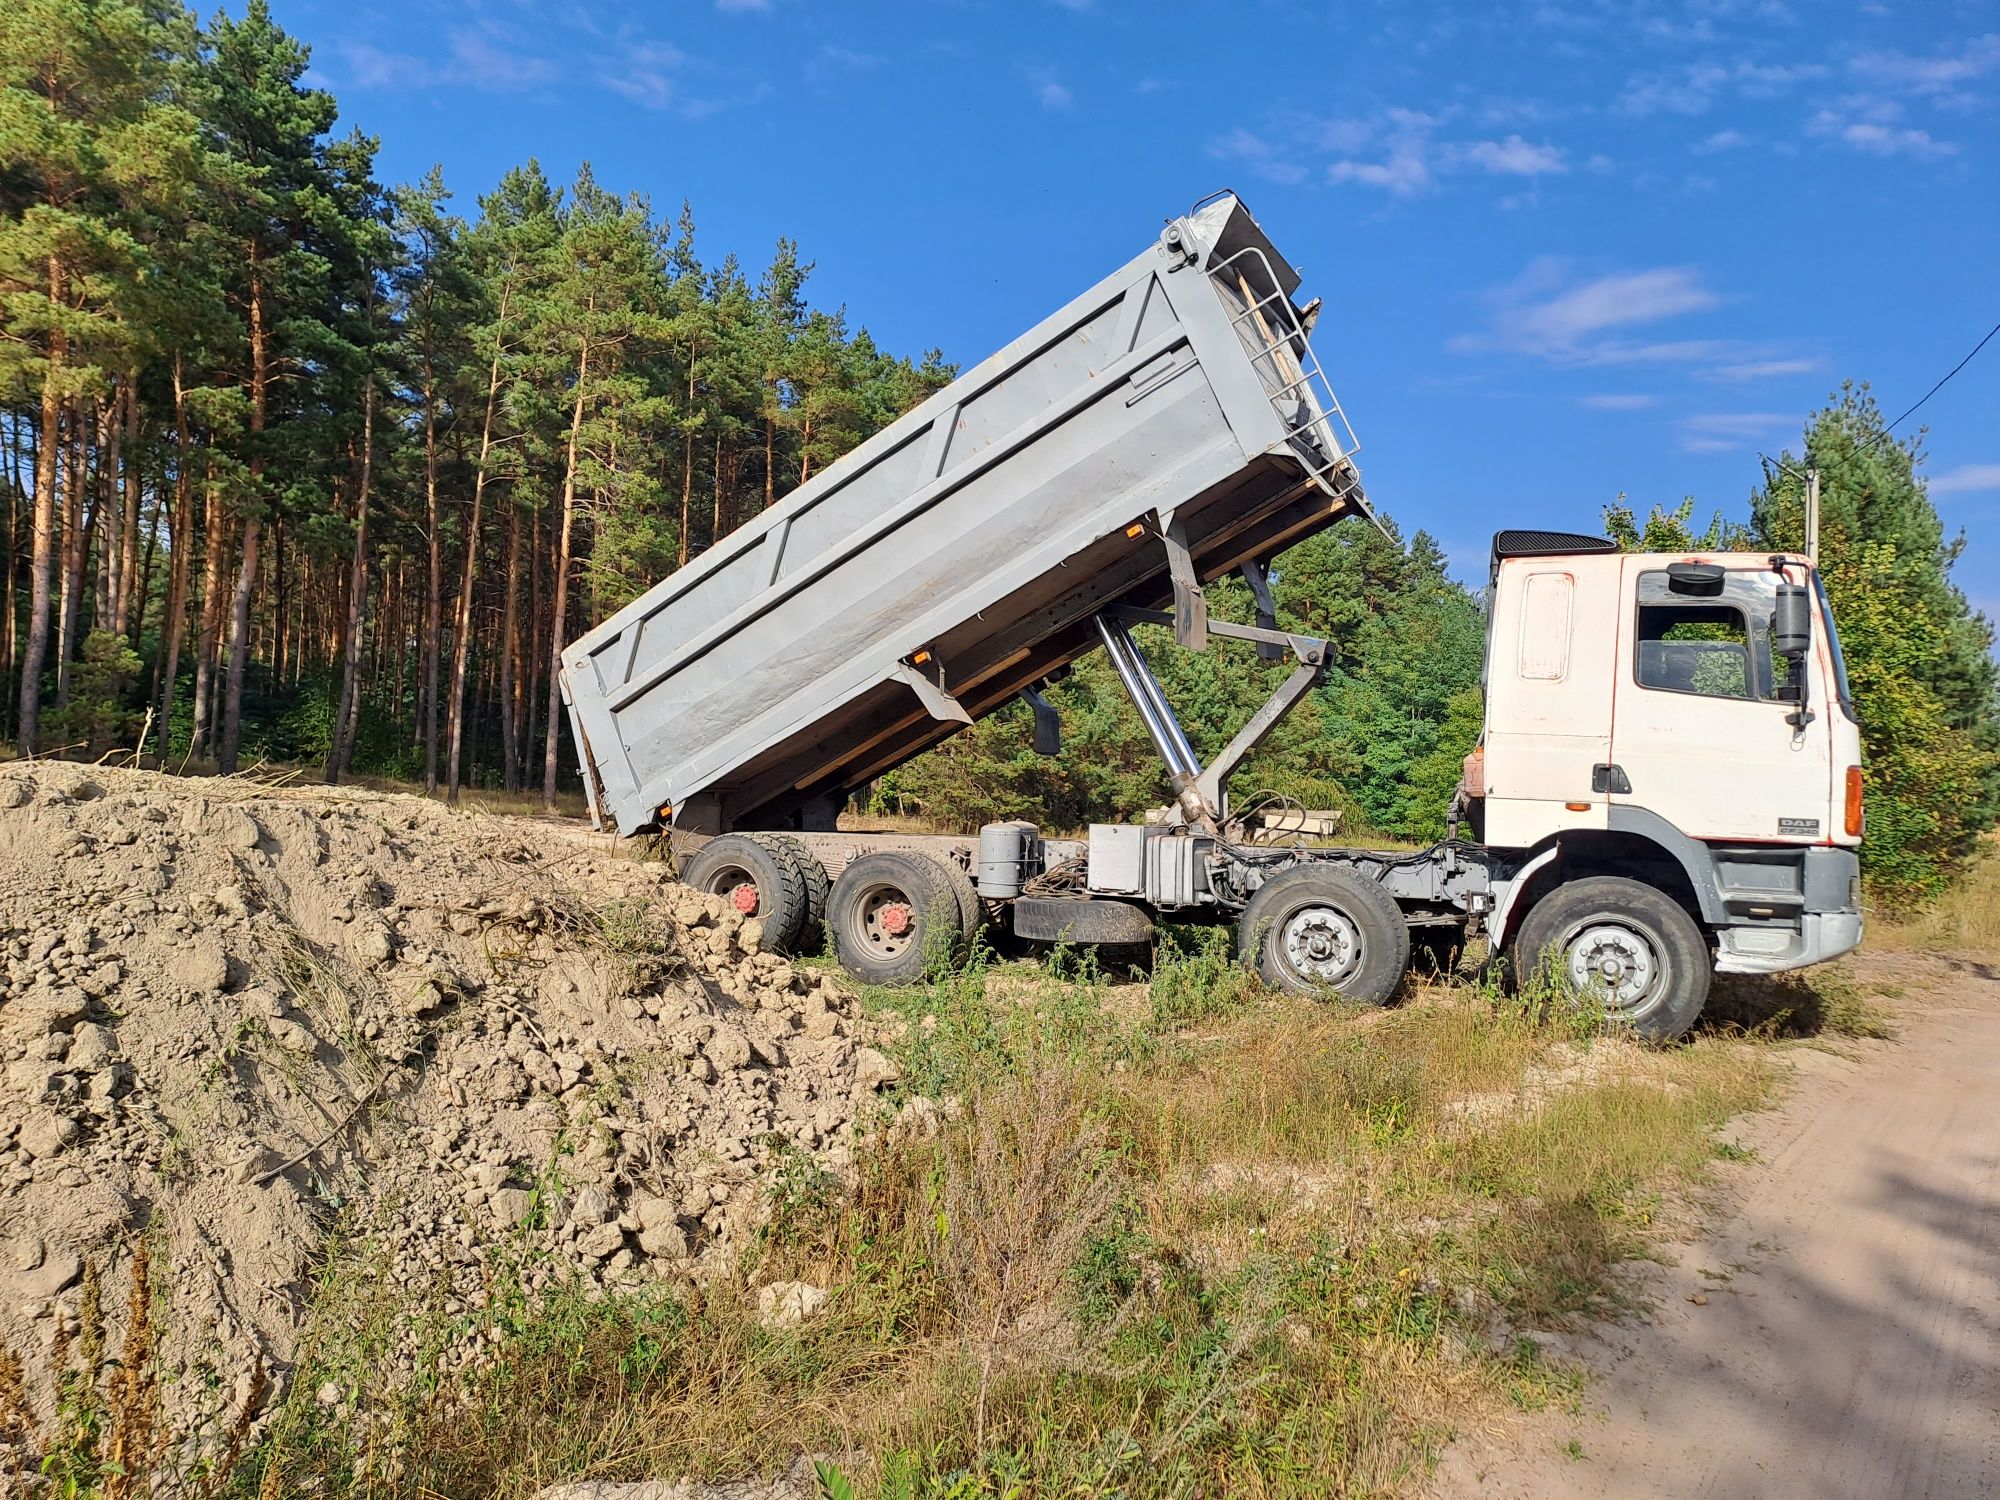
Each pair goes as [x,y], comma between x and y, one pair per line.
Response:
[1933,390]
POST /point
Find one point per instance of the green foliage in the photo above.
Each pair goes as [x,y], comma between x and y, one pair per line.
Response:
[1671,530]
[1379,741]
[96,717]
[1919,658]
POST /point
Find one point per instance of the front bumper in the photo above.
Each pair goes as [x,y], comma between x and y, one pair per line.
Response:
[1820,936]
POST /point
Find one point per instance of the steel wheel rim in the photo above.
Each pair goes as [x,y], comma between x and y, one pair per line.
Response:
[1617,964]
[876,923]
[1322,945]
[726,880]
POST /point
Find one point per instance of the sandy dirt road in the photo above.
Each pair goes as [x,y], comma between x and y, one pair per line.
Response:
[1836,1332]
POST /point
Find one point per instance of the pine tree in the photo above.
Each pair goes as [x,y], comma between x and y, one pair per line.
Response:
[84,125]
[1920,658]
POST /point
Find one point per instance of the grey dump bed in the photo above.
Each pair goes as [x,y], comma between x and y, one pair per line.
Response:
[1169,421]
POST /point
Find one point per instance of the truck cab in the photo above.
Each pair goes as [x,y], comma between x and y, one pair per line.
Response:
[1681,721]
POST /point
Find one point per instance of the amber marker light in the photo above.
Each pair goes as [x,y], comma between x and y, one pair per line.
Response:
[1855,817]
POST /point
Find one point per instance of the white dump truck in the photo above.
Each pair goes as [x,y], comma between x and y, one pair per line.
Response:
[1668,784]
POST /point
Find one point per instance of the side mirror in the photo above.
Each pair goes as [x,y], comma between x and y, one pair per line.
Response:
[1791,638]
[1791,624]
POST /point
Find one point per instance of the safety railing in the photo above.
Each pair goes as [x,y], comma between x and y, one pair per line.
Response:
[1297,385]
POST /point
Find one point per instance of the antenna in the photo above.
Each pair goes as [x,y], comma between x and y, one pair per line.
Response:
[1812,516]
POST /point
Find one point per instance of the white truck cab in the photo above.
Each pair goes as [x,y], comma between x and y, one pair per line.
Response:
[1678,721]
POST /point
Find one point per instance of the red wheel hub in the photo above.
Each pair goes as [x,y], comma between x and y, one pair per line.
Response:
[744,899]
[895,919]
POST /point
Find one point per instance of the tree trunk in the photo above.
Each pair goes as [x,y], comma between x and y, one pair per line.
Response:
[142,579]
[239,647]
[538,618]
[433,606]
[280,613]
[347,713]
[253,526]
[131,596]
[178,564]
[552,728]
[771,453]
[15,492]
[108,525]
[42,558]
[208,641]
[69,608]
[510,643]
[687,462]
[715,517]
[462,636]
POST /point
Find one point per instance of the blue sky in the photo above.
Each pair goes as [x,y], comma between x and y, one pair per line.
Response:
[1567,249]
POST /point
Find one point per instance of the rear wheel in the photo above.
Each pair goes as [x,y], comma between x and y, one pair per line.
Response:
[1312,930]
[971,913]
[761,881]
[1624,945]
[890,914]
[813,880]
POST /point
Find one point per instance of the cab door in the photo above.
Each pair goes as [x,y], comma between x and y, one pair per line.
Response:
[1700,733]
[1549,676]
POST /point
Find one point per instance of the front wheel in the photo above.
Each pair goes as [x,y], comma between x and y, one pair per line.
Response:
[1625,945]
[892,916]
[759,876]
[1315,929]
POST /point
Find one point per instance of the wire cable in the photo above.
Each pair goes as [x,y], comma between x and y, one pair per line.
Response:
[1891,427]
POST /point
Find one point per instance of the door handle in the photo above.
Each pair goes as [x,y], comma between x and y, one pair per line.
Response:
[1610,777]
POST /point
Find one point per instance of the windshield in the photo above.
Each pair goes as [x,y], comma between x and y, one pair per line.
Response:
[1833,648]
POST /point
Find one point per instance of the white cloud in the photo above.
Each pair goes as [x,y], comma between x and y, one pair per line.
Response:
[1966,479]
[1617,401]
[498,61]
[1514,157]
[1763,369]
[831,60]
[1564,320]
[643,72]
[1259,155]
[1052,94]
[1724,140]
[1941,73]
[1401,151]
[1694,90]
[1404,171]
[1549,313]
[1732,432]
[371,67]
[1402,141]
[1892,140]
[743,7]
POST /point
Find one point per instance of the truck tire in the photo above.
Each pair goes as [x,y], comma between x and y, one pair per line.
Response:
[971,914]
[1314,930]
[758,880]
[812,874]
[1626,944]
[884,913]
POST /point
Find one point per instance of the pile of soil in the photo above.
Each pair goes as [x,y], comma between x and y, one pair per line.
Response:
[239,1022]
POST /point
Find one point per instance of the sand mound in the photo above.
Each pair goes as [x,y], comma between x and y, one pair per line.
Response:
[236,1022]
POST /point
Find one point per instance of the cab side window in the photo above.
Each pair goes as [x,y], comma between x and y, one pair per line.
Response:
[1697,648]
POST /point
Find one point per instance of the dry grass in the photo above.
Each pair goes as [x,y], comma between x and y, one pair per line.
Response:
[1230,1244]
[104,1439]
[1220,1243]
[1964,921]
